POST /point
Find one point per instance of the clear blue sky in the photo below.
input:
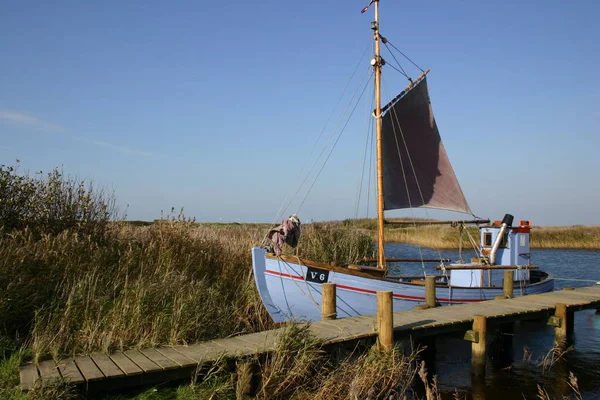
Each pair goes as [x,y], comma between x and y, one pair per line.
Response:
[213,106]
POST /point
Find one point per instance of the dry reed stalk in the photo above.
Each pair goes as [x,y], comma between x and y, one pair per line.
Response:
[171,282]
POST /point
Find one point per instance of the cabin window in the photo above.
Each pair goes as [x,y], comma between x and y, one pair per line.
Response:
[487,239]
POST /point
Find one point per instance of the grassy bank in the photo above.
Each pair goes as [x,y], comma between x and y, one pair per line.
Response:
[447,237]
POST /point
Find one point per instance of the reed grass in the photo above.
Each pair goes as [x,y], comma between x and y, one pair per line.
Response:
[447,237]
[169,283]
[300,369]
[172,282]
[334,244]
[373,375]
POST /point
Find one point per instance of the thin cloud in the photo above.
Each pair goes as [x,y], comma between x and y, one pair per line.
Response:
[18,118]
[24,119]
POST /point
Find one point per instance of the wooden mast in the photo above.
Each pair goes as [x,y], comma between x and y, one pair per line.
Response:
[380,215]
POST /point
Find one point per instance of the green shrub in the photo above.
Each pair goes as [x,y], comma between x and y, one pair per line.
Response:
[52,203]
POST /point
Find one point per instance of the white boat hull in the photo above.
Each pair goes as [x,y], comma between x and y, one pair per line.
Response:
[289,292]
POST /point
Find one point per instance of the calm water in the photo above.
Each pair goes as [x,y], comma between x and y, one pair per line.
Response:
[519,379]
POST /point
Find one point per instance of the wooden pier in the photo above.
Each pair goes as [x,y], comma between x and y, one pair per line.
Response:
[151,366]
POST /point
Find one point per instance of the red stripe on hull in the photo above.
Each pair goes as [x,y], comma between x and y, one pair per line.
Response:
[369,291]
[300,278]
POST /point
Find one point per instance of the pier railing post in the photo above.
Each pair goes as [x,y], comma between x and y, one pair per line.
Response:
[508,285]
[328,303]
[385,320]
[430,291]
[478,347]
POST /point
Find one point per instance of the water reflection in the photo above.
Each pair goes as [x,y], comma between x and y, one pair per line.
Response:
[518,375]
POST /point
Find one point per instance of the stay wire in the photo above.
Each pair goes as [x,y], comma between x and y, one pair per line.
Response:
[372,146]
[333,147]
[403,73]
[397,62]
[364,161]
[329,140]
[405,56]
[283,206]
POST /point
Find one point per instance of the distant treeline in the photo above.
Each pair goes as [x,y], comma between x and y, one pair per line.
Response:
[447,237]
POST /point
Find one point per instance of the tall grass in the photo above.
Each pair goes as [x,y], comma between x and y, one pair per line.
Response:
[66,288]
[566,237]
[300,369]
[447,237]
[333,243]
[169,283]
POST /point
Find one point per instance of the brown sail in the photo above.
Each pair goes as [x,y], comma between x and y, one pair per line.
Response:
[416,168]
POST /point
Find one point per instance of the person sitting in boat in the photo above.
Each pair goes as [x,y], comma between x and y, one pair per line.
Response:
[288,232]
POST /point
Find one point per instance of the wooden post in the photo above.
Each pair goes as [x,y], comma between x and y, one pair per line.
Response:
[570,322]
[430,291]
[561,328]
[385,320]
[328,303]
[245,387]
[508,284]
[478,387]
[478,347]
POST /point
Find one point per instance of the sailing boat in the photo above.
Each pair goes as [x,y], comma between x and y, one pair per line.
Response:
[413,170]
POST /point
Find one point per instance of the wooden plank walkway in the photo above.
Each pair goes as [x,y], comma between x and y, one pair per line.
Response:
[136,367]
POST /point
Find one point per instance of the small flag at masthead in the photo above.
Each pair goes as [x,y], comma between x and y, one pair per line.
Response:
[364,10]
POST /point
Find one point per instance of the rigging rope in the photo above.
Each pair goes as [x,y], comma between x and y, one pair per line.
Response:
[404,55]
[372,145]
[403,72]
[461,228]
[285,204]
[333,147]
[476,247]
[362,173]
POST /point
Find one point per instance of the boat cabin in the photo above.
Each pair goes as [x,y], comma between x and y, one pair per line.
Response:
[502,247]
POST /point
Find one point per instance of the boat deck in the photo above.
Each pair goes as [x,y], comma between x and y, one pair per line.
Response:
[150,366]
